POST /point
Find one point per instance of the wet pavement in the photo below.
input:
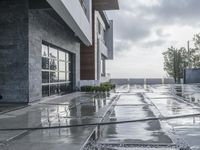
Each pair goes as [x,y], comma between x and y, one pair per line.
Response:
[128,102]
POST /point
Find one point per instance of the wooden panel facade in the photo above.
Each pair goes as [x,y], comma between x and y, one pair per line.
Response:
[87,57]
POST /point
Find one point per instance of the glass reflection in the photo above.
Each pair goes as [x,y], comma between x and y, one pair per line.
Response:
[45,77]
[53,77]
[53,53]
[45,63]
[56,71]
[62,77]
[45,52]
[54,89]
[62,55]
[61,66]
[45,90]
[53,65]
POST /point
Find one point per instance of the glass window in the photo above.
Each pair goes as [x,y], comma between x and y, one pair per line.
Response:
[53,53]
[56,71]
[61,66]
[54,89]
[53,77]
[68,76]
[45,90]
[99,27]
[62,77]
[53,65]
[45,52]
[45,63]
[63,88]
[45,77]
[67,57]
[62,55]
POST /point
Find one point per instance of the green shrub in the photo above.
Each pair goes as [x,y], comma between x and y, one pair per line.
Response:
[104,87]
[87,88]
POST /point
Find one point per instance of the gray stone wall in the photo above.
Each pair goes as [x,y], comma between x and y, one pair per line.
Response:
[47,26]
[14,51]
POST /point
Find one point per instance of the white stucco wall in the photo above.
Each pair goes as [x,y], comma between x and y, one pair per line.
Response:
[72,13]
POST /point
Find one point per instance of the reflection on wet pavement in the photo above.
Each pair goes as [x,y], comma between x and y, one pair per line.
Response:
[80,110]
[132,103]
[131,99]
[189,129]
[132,107]
[171,107]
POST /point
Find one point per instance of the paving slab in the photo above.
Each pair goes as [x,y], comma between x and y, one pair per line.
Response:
[158,95]
[174,107]
[134,133]
[130,99]
[55,139]
[131,112]
[189,129]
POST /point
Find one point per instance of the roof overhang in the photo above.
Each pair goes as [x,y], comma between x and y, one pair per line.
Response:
[105,5]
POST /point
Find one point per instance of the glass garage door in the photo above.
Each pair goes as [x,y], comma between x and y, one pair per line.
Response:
[56,71]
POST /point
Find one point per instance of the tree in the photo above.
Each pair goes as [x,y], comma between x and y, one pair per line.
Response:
[195,52]
[175,61]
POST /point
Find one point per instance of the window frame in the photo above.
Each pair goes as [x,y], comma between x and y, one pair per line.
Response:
[68,63]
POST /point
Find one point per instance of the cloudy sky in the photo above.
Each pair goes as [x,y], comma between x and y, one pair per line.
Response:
[144,29]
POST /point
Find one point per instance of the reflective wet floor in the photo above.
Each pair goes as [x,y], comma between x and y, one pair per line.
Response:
[128,102]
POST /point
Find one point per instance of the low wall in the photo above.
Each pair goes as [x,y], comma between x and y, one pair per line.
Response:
[168,81]
[154,81]
[133,81]
[119,81]
[192,76]
[136,81]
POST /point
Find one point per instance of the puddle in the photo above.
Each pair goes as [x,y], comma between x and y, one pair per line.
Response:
[172,107]
[130,99]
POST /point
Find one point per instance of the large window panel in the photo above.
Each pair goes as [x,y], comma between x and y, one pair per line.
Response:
[45,52]
[53,53]
[62,77]
[56,71]
[53,77]
[45,90]
[45,77]
[45,63]
[53,64]
[62,66]
[54,89]
[61,55]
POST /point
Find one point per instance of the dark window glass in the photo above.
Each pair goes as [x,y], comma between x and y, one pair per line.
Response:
[45,90]
[53,77]
[53,53]
[45,63]
[62,55]
[53,65]
[45,77]
[63,88]
[45,52]
[54,89]
[62,66]
[68,77]
[70,67]
[62,77]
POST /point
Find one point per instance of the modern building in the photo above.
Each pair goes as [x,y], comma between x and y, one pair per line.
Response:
[40,44]
[93,58]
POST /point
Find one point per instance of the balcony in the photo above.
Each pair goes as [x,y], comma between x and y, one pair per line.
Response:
[103,48]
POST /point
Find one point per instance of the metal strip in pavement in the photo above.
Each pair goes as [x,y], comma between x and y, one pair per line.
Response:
[102,123]
[133,145]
